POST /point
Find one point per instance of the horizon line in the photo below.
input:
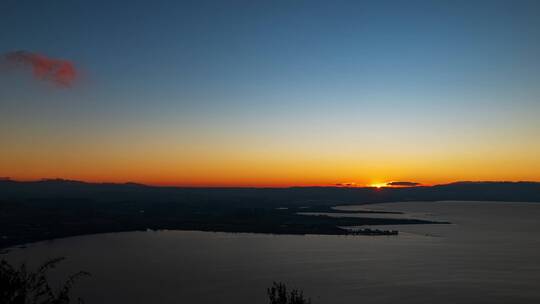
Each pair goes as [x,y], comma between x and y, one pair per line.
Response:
[223,186]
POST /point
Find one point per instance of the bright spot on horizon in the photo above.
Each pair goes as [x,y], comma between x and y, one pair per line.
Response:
[378,185]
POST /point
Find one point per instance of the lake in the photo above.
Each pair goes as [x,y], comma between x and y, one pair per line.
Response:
[489,254]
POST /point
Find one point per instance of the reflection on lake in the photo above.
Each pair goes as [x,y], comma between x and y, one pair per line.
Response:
[489,254]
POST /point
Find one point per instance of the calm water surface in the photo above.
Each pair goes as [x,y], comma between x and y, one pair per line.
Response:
[489,254]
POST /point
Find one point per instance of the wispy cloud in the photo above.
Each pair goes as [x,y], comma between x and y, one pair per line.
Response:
[347,184]
[403,184]
[59,71]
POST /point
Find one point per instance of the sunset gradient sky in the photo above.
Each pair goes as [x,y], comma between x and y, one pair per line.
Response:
[275,93]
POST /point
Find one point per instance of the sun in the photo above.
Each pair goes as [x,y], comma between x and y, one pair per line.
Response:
[378,185]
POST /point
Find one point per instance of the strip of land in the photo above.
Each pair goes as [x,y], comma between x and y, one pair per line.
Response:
[34,211]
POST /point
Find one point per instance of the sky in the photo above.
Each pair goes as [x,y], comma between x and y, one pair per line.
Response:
[272,93]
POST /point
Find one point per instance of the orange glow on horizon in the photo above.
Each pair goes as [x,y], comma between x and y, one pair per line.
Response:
[233,166]
[230,184]
[378,185]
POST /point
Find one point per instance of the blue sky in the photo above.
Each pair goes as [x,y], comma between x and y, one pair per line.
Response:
[357,75]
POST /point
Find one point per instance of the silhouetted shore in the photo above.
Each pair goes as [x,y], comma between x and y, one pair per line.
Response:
[35,211]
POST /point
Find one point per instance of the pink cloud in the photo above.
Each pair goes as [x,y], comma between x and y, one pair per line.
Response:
[61,72]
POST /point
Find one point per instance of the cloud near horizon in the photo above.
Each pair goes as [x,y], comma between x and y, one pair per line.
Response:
[403,184]
[349,184]
[59,71]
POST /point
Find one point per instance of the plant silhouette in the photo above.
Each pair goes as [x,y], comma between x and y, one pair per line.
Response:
[278,294]
[21,286]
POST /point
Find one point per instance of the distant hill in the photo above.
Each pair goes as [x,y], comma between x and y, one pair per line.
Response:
[463,190]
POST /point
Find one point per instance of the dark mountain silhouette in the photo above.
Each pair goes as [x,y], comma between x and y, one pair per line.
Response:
[463,190]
